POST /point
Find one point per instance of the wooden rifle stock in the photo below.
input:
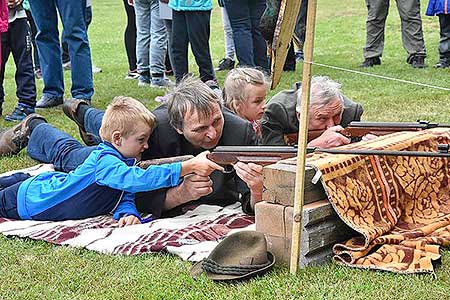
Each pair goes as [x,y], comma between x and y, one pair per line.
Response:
[357,129]
[261,155]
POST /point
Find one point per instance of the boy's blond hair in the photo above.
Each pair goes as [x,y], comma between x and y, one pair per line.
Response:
[124,114]
[234,86]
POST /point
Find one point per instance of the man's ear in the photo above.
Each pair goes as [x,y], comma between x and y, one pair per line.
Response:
[116,138]
[178,130]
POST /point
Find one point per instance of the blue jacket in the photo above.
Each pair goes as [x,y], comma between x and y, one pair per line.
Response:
[104,183]
[183,5]
[438,7]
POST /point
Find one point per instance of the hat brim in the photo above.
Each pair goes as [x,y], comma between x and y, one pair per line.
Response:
[197,270]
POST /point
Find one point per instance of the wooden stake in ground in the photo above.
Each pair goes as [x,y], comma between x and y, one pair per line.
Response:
[302,137]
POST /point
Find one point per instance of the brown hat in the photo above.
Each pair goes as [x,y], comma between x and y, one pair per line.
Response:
[241,255]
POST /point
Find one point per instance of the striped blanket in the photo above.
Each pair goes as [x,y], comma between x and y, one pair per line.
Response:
[192,236]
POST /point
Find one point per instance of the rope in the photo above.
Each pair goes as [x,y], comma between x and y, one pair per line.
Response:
[379,76]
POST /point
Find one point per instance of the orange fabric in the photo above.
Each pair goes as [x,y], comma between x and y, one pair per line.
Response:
[400,206]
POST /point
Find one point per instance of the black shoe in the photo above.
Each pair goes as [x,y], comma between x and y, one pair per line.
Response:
[49,101]
[19,113]
[370,62]
[225,64]
[417,61]
[443,63]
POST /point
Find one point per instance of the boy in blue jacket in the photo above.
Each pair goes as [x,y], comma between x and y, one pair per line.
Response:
[108,178]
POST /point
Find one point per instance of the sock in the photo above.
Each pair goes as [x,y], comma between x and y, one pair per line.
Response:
[81,111]
[33,123]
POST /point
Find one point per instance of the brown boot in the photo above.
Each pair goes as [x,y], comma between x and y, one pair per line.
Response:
[14,139]
[70,108]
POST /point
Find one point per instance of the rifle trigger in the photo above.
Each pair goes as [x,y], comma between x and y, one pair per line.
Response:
[443,148]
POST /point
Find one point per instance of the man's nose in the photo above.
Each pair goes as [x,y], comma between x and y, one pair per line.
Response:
[330,123]
[211,133]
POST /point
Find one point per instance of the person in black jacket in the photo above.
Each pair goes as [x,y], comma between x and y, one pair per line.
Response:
[329,112]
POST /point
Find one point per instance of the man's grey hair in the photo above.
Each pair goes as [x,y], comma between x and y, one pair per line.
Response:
[323,91]
[193,95]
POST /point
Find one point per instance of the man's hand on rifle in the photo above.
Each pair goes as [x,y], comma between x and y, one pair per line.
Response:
[252,175]
[200,165]
[192,188]
[330,138]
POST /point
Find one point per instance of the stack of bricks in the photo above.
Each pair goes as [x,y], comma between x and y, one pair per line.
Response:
[322,228]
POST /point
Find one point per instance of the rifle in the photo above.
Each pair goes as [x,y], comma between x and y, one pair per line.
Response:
[357,129]
[144,164]
[267,155]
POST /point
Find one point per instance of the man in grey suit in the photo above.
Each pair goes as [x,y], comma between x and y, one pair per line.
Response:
[329,112]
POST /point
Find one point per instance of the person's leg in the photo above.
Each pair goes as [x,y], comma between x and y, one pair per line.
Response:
[239,15]
[179,44]
[300,27]
[168,24]
[228,35]
[33,29]
[7,181]
[6,49]
[50,145]
[198,32]
[92,121]
[158,42]
[8,200]
[143,22]
[412,34]
[257,8]
[130,36]
[21,50]
[444,41]
[377,11]
[73,17]
[47,41]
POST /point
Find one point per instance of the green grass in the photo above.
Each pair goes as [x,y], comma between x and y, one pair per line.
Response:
[31,270]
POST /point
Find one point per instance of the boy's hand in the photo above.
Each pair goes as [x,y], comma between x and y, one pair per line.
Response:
[200,165]
[129,220]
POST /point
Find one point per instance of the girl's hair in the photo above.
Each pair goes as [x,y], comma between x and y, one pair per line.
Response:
[234,86]
[124,114]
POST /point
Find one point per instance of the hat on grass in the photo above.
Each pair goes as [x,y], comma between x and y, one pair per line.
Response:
[240,256]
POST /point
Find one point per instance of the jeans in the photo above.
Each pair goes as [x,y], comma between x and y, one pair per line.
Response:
[50,145]
[65,46]
[191,27]
[93,121]
[17,41]
[151,45]
[228,35]
[47,40]
[245,16]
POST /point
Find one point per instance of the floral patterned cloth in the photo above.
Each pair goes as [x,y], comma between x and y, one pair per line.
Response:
[399,205]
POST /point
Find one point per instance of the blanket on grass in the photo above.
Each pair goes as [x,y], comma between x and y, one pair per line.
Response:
[399,205]
[192,235]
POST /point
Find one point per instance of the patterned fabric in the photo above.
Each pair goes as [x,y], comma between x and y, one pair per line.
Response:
[399,205]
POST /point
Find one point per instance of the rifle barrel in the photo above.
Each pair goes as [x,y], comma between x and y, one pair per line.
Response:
[382,152]
[278,149]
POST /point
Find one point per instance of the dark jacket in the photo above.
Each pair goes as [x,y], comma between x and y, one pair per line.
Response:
[280,116]
[166,142]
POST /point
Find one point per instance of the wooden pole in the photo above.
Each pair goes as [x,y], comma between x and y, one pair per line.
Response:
[302,138]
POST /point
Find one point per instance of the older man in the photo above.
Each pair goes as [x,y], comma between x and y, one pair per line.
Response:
[192,121]
[329,112]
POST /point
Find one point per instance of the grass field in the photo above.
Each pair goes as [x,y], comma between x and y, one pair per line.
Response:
[36,270]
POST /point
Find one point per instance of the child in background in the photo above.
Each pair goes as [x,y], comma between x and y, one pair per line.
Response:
[17,41]
[244,92]
[441,8]
[107,180]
